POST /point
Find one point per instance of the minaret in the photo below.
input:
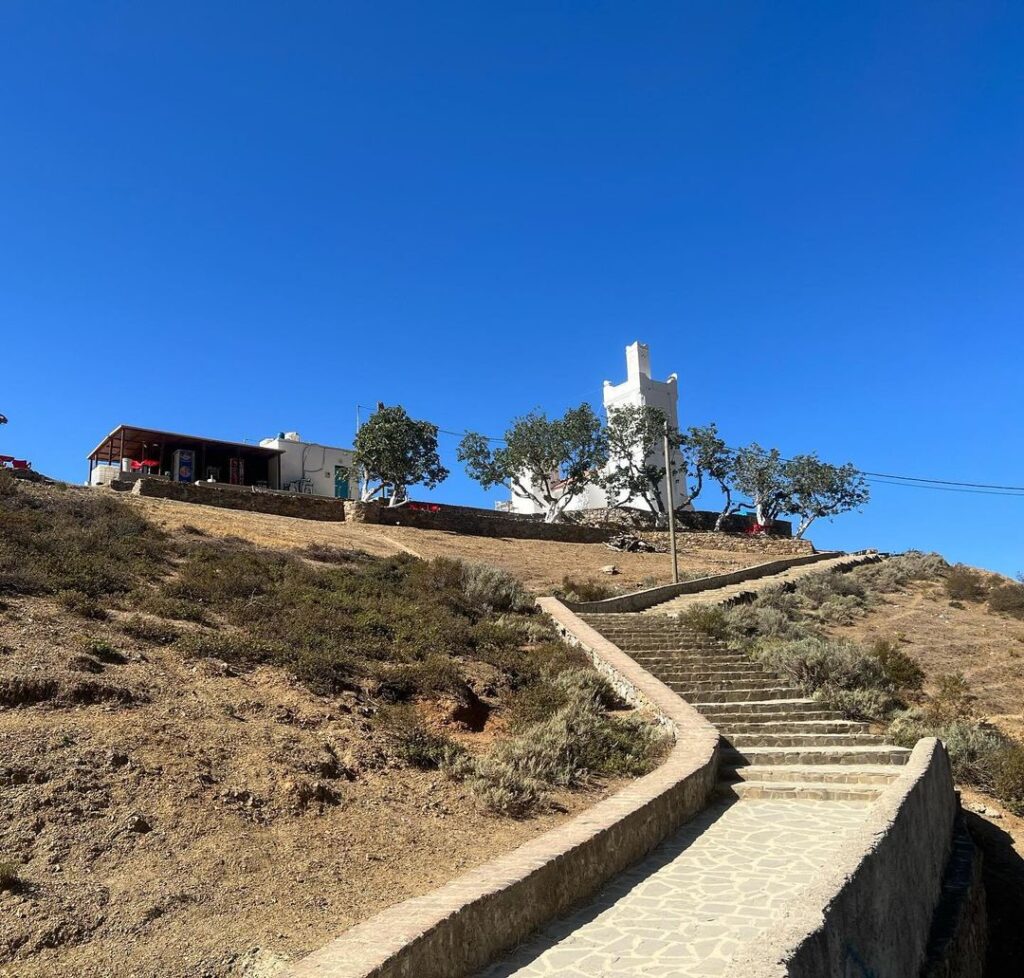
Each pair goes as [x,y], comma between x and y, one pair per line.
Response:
[639,390]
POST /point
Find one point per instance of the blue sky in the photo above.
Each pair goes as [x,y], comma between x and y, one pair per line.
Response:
[235,219]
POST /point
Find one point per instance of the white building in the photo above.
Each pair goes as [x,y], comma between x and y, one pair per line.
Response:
[638,389]
[316,469]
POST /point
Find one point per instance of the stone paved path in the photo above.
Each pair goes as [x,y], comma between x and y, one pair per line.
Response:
[730,592]
[686,910]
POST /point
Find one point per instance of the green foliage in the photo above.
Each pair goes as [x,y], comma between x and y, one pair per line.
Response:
[758,473]
[396,452]
[842,674]
[635,435]
[964,583]
[816,489]
[709,457]
[952,700]
[901,671]
[548,461]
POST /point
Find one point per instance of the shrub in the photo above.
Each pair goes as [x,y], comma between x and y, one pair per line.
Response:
[815,662]
[896,572]
[80,603]
[163,606]
[857,704]
[150,630]
[901,671]
[1008,599]
[952,700]
[748,621]
[964,583]
[974,750]
[492,589]
[412,741]
[431,676]
[72,539]
[325,553]
[576,590]
[1009,778]
[708,619]
[840,609]
[10,878]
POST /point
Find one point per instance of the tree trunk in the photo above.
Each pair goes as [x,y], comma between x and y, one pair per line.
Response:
[802,528]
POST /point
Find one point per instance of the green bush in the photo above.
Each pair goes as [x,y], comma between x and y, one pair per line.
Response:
[10,878]
[964,583]
[857,704]
[753,621]
[952,700]
[901,670]
[1009,778]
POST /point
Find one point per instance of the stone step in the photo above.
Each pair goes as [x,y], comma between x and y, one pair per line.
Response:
[712,675]
[717,712]
[726,685]
[842,740]
[793,725]
[796,791]
[799,756]
[663,659]
[877,774]
[752,694]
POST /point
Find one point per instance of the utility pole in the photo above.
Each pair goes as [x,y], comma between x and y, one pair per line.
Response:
[671,511]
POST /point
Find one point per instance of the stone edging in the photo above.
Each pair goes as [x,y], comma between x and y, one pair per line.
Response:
[460,927]
[639,600]
[870,910]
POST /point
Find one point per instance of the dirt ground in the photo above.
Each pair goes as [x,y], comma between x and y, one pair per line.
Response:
[539,564]
[987,648]
[220,825]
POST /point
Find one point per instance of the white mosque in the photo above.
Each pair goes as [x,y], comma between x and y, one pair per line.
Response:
[637,389]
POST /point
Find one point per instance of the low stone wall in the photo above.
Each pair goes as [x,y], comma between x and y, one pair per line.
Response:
[870,911]
[459,928]
[295,504]
[959,938]
[647,598]
[472,521]
[742,543]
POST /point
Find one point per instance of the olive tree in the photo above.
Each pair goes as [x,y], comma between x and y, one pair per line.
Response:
[395,452]
[759,473]
[635,433]
[550,462]
[710,458]
[818,489]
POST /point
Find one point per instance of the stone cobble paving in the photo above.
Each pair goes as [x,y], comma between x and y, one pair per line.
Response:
[699,898]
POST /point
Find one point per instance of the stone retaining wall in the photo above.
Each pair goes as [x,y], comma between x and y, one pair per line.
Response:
[295,504]
[870,911]
[731,542]
[647,598]
[476,522]
[457,929]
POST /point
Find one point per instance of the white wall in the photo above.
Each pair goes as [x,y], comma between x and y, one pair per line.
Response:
[308,460]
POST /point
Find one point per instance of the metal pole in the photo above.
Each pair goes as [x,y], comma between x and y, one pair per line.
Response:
[671,512]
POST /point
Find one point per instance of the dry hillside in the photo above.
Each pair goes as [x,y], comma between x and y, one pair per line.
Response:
[215,756]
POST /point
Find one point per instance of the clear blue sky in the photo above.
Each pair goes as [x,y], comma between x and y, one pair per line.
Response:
[234,219]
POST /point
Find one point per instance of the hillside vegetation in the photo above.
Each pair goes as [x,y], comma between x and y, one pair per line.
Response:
[203,737]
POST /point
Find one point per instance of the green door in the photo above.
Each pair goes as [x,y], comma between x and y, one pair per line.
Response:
[340,482]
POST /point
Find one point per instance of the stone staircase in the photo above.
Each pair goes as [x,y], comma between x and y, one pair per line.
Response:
[779,744]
